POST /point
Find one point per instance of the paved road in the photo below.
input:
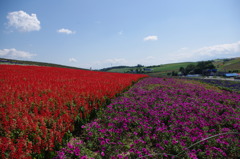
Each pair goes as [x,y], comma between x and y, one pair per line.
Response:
[220,78]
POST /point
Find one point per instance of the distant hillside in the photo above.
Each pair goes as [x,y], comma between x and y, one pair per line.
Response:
[228,65]
[224,65]
[167,68]
[20,62]
[117,69]
[163,69]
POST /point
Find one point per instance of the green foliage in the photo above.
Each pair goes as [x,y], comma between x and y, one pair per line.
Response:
[203,65]
[200,68]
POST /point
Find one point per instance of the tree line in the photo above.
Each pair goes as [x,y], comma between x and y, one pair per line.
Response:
[202,67]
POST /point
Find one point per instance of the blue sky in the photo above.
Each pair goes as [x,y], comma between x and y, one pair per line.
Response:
[98,34]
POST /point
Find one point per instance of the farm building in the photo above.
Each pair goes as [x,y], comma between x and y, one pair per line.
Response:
[148,70]
[231,75]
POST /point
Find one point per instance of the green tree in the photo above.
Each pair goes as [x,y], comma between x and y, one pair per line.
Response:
[174,73]
[203,66]
[182,70]
[139,65]
[190,68]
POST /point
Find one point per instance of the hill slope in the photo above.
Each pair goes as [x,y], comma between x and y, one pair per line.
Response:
[163,69]
[224,65]
[227,65]
[20,62]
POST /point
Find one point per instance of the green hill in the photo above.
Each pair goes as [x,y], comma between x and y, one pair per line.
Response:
[224,65]
[228,65]
[170,67]
[156,69]
[20,62]
[120,69]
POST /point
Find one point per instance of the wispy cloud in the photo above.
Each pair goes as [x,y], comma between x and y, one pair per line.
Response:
[115,61]
[223,49]
[184,49]
[120,33]
[151,38]
[184,54]
[13,53]
[72,60]
[105,63]
[97,22]
[150,58]
[65,31]
[23,22]
[207,52]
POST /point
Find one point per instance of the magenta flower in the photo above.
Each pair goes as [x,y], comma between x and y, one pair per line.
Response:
[102,153]
[165,116]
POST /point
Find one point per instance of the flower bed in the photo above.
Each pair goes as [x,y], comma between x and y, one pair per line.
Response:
[224,84]
[163,118]
[39,105]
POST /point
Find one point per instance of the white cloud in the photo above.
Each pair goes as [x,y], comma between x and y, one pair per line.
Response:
[23,22]
[184,49]
[105,63]
[72,60]
[13,53]
[223,49]
[150,58]
[151,37]
[184,54]
[120,33]
[115,61]
[65,31]
[97,22]
[207,53]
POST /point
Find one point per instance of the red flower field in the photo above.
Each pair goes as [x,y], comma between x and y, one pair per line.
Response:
[38,105]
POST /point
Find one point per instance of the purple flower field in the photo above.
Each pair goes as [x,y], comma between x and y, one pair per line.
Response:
[163,118]
[223,84]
